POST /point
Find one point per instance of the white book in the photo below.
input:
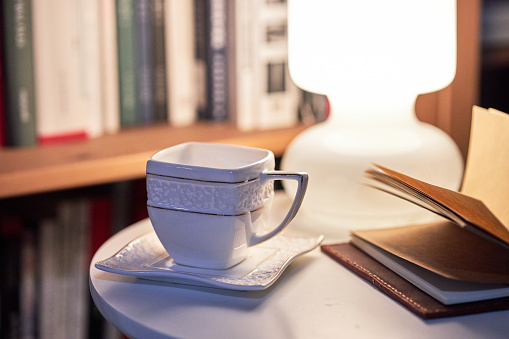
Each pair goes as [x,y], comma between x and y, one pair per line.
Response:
[180,62]
[280,97]
[242,53]
[265,95]
[108,64]
[56,62]
[90,89]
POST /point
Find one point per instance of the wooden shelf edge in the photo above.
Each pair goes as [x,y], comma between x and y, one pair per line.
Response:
[115,158]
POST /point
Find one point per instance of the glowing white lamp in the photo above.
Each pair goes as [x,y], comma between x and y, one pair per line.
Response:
[371,58]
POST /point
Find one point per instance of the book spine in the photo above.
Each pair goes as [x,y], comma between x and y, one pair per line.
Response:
[18,55]
[79,247]
[65,214]
[10,252]
[313,108]
[265,97]
[144,17]
[180,62]
[217,61]
[242,66]
[127,75]
[279,97]
[159,46]
[87,21]
[109,66]
[48,299]
[59,110]
[101,228]
[28,282]
[201,52]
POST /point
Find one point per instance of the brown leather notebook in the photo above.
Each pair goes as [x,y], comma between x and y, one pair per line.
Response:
[401,290]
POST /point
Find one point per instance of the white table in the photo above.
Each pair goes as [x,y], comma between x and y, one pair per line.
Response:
[315,298]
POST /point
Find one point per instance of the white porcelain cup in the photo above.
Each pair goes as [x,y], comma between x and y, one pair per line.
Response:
[208,203]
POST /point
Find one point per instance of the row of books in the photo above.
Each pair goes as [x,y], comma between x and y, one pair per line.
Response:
[45,257]
[83,68]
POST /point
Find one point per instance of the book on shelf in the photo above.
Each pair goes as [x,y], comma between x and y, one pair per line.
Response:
[10,263]
[200,55]
[313,108]
[28,281]
[181,64]
[108,61]
[263,95]
[144,47]
[19,72]
[462,260]
[159,68]
[211,27]
[126,37]
[89,52]
[66,63]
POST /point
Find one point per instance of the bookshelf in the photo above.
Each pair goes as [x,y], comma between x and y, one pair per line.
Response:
[117,157]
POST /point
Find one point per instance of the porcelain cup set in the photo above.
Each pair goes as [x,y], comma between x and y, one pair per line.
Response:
[209,203]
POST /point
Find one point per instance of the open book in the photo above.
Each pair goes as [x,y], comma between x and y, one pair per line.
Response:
[461,259]
[464,257]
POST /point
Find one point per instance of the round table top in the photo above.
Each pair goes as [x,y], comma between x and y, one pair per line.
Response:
[315,297]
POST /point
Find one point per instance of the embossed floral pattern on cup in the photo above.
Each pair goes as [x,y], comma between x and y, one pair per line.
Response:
[207,197]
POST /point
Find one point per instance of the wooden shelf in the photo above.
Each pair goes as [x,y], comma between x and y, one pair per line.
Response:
[111,158]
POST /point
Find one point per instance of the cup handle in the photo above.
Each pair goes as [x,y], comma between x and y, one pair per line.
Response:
[302,181]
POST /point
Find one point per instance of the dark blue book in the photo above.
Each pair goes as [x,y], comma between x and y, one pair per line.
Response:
[212,50]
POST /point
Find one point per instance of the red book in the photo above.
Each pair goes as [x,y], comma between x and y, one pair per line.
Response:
[101,221]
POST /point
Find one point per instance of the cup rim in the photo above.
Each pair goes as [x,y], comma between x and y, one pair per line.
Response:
[245,171]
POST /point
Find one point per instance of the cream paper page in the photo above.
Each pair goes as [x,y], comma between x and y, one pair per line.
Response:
[487,170]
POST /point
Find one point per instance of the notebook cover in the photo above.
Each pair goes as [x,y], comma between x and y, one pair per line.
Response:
[401,290]
[469,257]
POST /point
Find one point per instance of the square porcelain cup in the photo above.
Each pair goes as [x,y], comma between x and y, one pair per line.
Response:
[208,203]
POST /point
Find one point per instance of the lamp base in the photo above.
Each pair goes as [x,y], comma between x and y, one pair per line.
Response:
[336,158]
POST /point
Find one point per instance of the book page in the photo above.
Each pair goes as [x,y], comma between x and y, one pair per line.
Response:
[487,171]
[464,210]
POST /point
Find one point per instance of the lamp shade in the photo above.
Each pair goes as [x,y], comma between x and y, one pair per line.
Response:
[338,43]
[371,59]
[361,49]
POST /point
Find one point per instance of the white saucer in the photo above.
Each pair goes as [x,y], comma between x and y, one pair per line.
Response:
[145,258]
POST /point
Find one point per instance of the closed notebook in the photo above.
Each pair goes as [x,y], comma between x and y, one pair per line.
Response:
[401,290]
[450,263]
